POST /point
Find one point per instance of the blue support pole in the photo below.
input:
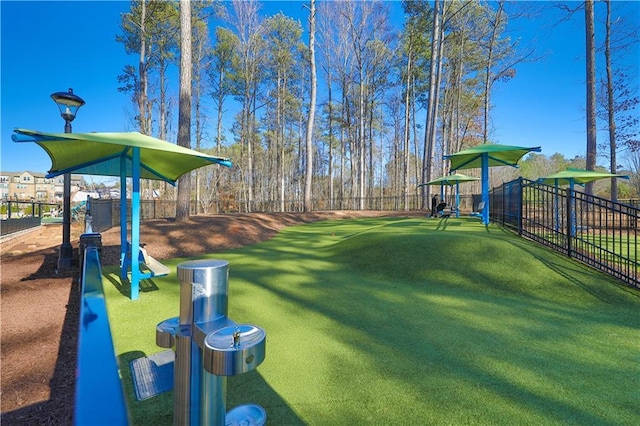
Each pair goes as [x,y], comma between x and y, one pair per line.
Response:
[457,200]
[123,217]
[485,188]
[135,224]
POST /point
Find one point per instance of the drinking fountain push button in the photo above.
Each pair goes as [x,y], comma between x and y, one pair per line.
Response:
[234,349]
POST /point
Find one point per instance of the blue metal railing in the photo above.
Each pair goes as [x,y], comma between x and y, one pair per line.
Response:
[99,393]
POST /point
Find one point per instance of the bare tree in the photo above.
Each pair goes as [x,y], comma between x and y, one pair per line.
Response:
[221,74]
[591,89]
[312,106]
[283,48]
[407,114]
[610,102]
[634,165]
[432,109]
[201,61]
[184,111]
[337,60]
[246,22]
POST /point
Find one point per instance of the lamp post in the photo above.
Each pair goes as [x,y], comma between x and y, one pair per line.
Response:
[68,103]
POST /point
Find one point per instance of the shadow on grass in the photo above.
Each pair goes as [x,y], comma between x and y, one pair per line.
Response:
[452,317]
[573,271]
[124,285]
[383,321]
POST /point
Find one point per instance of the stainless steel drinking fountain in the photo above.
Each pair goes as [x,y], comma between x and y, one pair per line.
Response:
[209,347]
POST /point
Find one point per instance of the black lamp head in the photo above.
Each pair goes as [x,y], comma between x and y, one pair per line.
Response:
[68,103]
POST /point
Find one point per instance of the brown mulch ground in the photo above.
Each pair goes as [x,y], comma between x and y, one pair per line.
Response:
[40,307]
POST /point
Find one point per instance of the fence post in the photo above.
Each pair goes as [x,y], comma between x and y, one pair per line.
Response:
[570,224]
[504,197]
[520,205]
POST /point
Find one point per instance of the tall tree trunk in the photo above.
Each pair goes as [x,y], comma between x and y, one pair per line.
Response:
[219,103]
[331,138]
[279,144]
[432,109]
[142,71]
[312,107]
[610,105]
[361,141]
[199,53]
[407,114]
[143,101]
[591,90]
[162,126]
[414,131]
[487,77]
[184,110]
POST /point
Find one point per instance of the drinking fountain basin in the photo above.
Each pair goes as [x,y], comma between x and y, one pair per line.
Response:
[166,332]
[234,349]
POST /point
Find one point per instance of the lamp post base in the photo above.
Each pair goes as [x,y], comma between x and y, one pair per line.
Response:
[65,258]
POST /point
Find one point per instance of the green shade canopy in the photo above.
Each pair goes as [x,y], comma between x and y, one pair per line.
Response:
[125,155]
[579,176]
[451,180]
[100,154]
[485,156]
[498,155]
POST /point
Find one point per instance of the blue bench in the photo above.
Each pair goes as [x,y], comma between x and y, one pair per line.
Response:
[479,212]
[146,262]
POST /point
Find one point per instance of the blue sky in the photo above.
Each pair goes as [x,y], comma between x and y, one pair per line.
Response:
[51,46]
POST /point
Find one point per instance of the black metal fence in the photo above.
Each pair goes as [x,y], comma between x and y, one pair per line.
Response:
[105,213]
[21,215]
[594,230]
[9,226]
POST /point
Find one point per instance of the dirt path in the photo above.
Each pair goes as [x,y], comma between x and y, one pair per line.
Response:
[39,308]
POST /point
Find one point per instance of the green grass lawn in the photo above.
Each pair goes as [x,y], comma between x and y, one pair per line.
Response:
[412,321]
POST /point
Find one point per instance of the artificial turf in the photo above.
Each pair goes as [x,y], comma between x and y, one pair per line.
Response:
[411,321]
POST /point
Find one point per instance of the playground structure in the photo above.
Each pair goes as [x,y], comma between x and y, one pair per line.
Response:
[78,211]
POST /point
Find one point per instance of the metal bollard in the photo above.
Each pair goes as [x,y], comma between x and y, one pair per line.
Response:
[199,338]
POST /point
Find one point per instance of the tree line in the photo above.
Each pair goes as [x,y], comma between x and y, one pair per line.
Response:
[392,95]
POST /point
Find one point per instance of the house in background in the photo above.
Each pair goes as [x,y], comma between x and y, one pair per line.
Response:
[33,186]
[4,186]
